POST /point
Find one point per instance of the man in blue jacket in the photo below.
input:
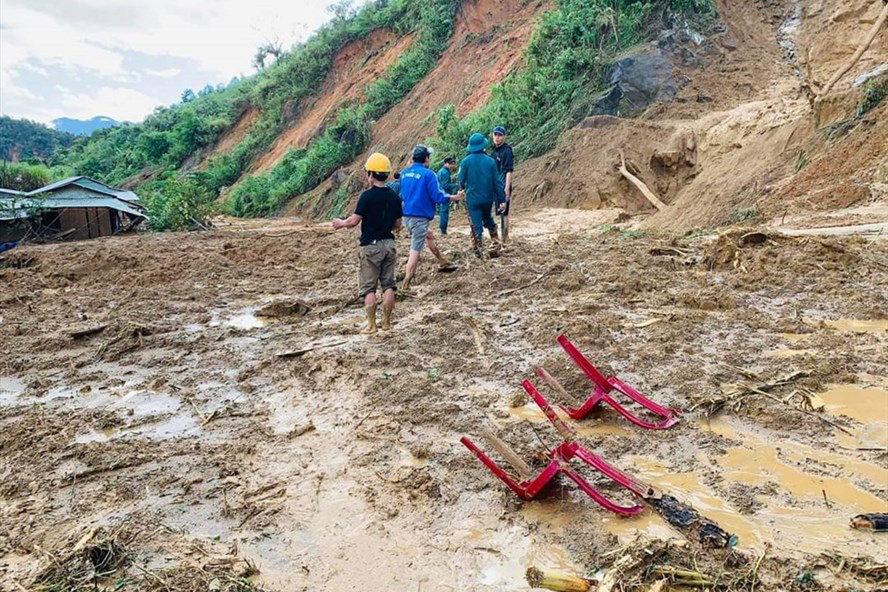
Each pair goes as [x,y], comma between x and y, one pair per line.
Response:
[445,181]
[480,178]
[421,194]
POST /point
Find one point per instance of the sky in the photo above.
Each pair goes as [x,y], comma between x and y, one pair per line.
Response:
[123,58]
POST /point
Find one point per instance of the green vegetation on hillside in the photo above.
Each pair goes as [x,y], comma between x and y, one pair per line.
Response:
[349,134]
[23,140]
[566,62]
[28,177]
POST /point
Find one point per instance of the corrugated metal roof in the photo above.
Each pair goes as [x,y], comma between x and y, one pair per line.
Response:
[56,185]
[88,183]
[11,209]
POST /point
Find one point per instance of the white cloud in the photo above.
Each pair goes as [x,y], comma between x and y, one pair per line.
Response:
[91,38]
[124,103]
[166,73]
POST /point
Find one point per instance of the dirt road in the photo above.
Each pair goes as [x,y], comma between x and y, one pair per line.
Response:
[171,418]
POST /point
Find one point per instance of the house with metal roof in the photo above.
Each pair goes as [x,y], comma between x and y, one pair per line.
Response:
[74,209]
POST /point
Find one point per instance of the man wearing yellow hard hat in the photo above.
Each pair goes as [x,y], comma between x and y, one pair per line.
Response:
[379,214]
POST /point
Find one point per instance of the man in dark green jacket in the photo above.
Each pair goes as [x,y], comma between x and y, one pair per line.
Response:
[445,182]
[479,176]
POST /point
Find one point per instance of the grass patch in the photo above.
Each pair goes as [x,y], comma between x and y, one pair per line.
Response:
[746,214]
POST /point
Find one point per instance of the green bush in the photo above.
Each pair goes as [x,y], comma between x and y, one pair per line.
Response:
[24,177]
[874,92]
[179,205]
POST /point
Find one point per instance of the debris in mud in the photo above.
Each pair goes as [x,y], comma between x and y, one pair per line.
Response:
[875,522]
[690,522]
[282,309]
[557,581]
[128,338]
[87,332]
[121,555]
[735,396]
[298,353]
[96,556]
[647,566]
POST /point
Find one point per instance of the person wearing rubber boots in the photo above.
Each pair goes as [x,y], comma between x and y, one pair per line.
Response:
[445,181]
[421,194]
[479,176]
[505,164]
[379,214]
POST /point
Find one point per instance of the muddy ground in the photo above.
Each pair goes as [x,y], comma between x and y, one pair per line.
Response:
[173,429]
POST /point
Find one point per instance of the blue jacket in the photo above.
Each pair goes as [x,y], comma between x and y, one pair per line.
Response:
[420,192]
[479,176]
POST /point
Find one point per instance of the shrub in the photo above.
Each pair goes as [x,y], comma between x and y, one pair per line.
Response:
[179,205]
[23,177]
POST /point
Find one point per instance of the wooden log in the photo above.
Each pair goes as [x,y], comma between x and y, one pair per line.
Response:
[645,190]
[880,22]
[522,468]
[564,430]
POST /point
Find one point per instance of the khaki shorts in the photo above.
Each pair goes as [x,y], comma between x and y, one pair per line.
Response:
[377,267]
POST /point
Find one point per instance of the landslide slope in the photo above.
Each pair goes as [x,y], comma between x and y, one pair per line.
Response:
[741,139]
[718,121]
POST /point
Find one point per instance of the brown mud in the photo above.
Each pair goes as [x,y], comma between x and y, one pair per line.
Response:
[342,468]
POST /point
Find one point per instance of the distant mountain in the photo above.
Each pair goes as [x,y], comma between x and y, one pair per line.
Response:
[21,139]
[83,127]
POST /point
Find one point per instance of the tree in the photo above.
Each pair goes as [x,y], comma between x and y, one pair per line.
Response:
[263,52]
[342,10]
[188,96]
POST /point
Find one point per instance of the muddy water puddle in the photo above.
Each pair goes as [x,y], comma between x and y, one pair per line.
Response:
[244,319]
[589,428]
[10,390]
[865,404]
[176,426]
[787,481]
[820,484]
[877,326]
[782,354]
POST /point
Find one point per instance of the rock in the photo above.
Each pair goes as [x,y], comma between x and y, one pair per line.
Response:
[637,81]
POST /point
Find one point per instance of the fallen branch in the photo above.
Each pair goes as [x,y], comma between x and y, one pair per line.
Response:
[301,352]
[880,22]
[645,190]
[524,286]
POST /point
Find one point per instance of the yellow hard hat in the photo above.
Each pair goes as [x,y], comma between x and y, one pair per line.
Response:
[378,163]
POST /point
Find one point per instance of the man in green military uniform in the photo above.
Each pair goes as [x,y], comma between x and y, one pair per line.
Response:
[479,176]
[445,182]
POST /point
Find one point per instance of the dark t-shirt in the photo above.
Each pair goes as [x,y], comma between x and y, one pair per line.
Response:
[380,208]
[505,161]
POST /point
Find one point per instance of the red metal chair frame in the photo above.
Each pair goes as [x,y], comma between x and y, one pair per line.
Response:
[604,386]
